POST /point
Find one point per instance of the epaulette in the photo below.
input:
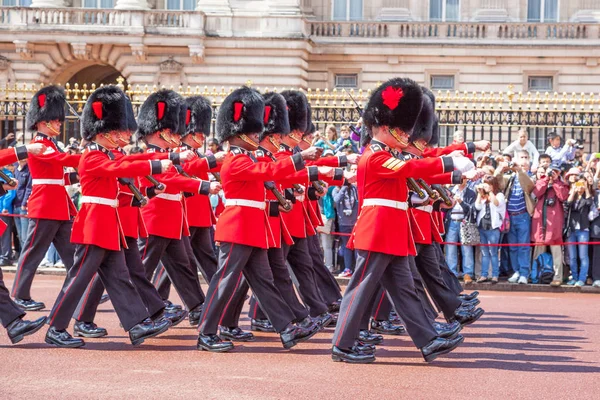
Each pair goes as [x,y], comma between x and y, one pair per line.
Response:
[259,153]
[237,151]
[96,147]
[376,147]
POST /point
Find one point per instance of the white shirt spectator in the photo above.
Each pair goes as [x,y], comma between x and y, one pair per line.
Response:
[529,147]
[497,212]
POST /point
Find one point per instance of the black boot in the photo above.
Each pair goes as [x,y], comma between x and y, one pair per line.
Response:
[62,339]
[394,318]
[213,343]
[261,325]
[447,331]
[194,315]
[88,330]
[351,356]
[387,328]
[235,334]
[175,317]
[29,305]
[468,317]
[294,334]
[335,306]
[367,337]
[364,347]
[169,307]
[323,320]
[469,296]
[440,346]
[147,330]
[334,319]
[470,303]
[19,328]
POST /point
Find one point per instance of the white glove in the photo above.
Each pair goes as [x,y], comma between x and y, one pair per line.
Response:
[415,200]
[463,164]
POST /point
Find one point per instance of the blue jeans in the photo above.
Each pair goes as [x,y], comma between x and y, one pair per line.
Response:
[6,240]
[22,225]
[349,255]
[579,272]
[468,262]
[520,232]
[489,253]
[52,254]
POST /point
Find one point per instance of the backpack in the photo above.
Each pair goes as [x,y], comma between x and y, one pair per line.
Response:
[542,269]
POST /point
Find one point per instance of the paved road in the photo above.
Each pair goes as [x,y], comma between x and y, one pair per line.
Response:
[527,346]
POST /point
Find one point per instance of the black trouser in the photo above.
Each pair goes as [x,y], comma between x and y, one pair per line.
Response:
[328,286]
[88,305]
[427,264]
[199,249]
[112,270]
[394,274]
[283,283]
[235,261]
[301,264]
[8,309]
[40,234]
[184,278]
[449,278]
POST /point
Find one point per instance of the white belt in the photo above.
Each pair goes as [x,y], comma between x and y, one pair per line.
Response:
[100,200]
[400,205]
[172,197]
[427,209]
[300,198]
[60,182]
[261,205]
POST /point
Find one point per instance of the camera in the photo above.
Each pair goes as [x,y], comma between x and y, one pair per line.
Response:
[550,201]
[347,213]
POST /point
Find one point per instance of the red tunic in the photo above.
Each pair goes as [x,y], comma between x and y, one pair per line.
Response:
[51,201]
[381,176]
[98,224]
[243,179]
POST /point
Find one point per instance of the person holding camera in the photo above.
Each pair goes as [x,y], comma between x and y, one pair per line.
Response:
[346,205]
[560,155]
[523,143]
[491,207]
[577,207]
[345,142]
[548,217]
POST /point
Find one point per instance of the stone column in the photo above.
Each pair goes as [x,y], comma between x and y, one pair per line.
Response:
[131,5]
[214,6]
[47,4]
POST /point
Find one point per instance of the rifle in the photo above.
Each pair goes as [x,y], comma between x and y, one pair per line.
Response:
[430,192]
[9,181]
[442,191]
[78,117]
[156,183]
[270,185]
[412,183]
[352,128]
[296,186]
[136,192]
[358,108]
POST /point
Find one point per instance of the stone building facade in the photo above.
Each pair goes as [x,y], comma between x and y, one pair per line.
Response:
[467,45]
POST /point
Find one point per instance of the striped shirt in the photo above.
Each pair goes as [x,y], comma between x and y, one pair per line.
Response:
[516,201]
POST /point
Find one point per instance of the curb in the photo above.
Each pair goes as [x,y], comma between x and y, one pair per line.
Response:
[499,287]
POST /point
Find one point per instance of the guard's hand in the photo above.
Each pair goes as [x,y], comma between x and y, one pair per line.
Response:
[290,206]
[353,158]
[187,155]
[7,187]
[328,172]
[159,191]
[463,164]
[312,153]
[324,192]
[457,153]
[215,187]
[482,145]
[144,201]
[303,190]
[350,176]
[36,148]
[165,165]
[220,156]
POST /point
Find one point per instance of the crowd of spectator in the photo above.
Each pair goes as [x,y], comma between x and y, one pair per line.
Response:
[509,224]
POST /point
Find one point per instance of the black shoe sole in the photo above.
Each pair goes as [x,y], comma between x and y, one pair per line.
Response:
[20,337]
[398,332]
[180,320]
[139,341]
[433,356]
[289,345]
[469,322]
[337,358]
[90,335]
[71,346]
[221,350]
[38,308]
[233,339]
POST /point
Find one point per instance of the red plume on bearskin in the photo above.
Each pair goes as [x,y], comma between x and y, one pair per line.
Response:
[267,113]
[160,110]
[188,116]
[237,111]
[97,107]
[48,104]
[391,97]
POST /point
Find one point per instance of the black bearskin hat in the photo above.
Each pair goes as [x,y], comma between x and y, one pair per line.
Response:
[105,111]
[396,104]
[182,116]
[297,105]
[276,115]
[160,111]
[131,122]
[310,127]
[424,127]
[48,104]
[243,111]
[435,131]
[198,115]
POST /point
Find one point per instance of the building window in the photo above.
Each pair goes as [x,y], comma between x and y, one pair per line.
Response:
[542,11]
[347,10]
[442,82]
[14,3]
[444,10]
[540,84]
[187,5]
[349,81]
[98,3]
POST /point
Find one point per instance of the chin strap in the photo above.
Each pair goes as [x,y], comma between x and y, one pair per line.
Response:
[294,138]
[397,136]
[419,145]
[271,140]
[165,135]
[249,141]
[51,128]
[306,141]
[110,139]
[198,142]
